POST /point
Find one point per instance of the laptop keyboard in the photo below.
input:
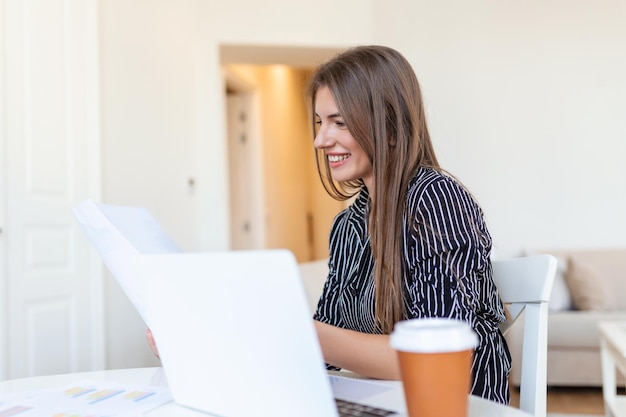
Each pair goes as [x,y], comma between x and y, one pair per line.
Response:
[352,409]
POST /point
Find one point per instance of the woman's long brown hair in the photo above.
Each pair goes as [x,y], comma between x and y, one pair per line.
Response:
[379,98]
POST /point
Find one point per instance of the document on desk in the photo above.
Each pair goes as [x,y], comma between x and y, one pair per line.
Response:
[121,235]
[85,399]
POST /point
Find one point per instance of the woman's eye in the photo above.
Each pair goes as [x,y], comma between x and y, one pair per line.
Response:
[340,124]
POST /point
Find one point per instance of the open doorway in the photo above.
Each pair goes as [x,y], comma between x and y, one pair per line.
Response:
[277,200]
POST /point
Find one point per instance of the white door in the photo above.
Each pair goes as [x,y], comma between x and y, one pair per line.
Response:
[52,305]
[245,174]
[239,152]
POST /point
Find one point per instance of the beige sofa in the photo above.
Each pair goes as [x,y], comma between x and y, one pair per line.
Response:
[590,287]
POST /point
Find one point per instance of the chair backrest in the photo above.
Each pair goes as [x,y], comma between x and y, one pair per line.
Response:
[525,285]
[313,275]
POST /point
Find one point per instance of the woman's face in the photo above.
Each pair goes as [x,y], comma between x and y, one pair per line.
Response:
[346,159]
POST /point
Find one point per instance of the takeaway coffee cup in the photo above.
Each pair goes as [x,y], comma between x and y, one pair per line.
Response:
[435,356]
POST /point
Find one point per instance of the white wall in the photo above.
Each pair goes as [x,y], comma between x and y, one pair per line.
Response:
[526,103]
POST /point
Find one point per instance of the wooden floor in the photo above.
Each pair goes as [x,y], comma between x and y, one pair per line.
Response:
[571,400]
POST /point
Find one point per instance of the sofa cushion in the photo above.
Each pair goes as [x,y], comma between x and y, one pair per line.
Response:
[588,288]
[597,279]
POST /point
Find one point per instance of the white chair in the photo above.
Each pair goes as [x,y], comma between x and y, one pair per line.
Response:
[313,275]
[525,285]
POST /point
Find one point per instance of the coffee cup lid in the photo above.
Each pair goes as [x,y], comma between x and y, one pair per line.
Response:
[433,335]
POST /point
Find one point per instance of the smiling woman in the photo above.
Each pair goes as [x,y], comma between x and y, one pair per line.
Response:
[414,243]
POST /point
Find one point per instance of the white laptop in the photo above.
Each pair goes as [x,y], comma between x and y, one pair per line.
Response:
[233,328]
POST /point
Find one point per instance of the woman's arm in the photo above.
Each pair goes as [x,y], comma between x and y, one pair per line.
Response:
[366,354]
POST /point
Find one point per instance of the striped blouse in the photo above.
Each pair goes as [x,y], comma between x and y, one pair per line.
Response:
[446,250]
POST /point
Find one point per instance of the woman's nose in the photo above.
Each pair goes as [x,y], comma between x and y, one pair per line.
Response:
[322,139]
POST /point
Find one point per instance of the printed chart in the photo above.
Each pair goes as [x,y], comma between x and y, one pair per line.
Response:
[85,399]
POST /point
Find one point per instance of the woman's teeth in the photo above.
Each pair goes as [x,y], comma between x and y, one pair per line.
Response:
[337,158]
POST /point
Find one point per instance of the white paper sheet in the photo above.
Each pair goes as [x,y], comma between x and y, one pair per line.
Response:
[120,234]
[85,399]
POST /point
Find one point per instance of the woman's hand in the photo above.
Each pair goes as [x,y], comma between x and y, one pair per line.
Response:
[366,354]
[152,343]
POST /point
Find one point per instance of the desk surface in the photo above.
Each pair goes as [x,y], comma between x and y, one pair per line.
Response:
[155,377]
